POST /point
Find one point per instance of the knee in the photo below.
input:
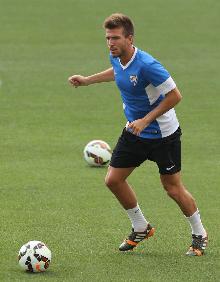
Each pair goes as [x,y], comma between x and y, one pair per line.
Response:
[172,190]
[111,182]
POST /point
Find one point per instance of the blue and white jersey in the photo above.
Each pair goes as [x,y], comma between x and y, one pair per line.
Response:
[143,83]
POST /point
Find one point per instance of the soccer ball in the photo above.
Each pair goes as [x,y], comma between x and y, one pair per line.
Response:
[34,256]
[97,153]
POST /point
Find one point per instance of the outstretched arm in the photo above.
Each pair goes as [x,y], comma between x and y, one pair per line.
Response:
[104,76]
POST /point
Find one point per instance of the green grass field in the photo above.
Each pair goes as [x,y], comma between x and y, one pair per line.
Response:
[48,193]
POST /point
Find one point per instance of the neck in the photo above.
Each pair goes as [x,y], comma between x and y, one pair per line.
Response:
[125,58]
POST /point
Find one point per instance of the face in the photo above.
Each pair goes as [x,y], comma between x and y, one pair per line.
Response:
[118,44]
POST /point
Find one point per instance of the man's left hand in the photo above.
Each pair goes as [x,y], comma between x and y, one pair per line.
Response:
[137,126]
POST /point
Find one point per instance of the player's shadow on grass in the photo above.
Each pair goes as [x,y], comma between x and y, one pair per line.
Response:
[150,254]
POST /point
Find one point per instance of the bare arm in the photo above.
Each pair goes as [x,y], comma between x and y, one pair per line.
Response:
[104,76]
[171,99]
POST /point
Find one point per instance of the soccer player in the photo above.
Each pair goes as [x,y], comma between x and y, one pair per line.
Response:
[152,132]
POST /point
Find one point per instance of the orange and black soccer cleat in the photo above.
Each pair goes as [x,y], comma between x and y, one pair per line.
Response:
[198,246]
[135,238]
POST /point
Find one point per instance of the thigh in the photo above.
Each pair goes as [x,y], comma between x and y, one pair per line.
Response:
[128,151]
[167,154]
[171,180]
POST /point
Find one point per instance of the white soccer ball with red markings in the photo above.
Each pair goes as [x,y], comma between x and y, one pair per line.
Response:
[34,256]
[97,153]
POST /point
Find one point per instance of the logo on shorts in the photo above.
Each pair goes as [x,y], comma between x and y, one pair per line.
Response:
[134,79]
[169,168]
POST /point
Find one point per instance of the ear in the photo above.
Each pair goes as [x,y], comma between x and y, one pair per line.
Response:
[131,38]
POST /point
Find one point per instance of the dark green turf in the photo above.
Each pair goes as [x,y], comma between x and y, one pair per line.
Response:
[48,193]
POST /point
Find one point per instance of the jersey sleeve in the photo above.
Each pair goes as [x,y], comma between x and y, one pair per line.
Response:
[159,77]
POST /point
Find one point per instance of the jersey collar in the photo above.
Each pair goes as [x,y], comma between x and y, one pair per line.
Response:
[131,60]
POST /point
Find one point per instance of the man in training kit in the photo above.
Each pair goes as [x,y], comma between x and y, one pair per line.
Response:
[152,132]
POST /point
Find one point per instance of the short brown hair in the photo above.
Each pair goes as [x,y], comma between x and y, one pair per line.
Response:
[119,20]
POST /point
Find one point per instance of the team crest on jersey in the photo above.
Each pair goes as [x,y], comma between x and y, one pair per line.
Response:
[134,79]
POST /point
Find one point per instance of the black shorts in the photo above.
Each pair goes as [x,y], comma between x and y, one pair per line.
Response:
[132,151]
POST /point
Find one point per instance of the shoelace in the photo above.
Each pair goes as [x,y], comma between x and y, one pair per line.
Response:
[197,242]
[137,236]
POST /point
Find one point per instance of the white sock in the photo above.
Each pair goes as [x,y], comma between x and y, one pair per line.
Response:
[196,224]
[138,221]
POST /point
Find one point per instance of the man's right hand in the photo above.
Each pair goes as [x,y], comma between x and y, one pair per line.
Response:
[104,76]
[78,80]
